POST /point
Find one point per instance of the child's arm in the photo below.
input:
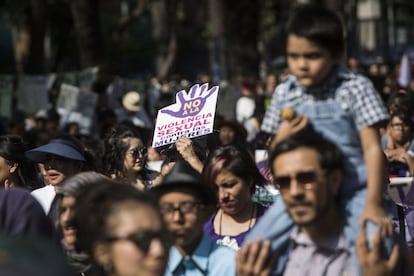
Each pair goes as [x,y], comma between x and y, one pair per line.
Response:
[374,159]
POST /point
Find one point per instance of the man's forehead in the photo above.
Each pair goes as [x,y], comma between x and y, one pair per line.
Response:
[297,158]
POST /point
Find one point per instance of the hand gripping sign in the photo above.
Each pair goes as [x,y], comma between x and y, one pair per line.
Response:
[192,115]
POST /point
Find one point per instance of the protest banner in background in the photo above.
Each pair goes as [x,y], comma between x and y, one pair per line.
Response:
[192,115]
[32,94]
[83,79]
[75,105]
[87,77]
[6,95]
[70,78]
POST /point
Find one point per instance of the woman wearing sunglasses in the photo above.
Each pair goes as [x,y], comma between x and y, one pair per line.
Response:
[125,157]
[121,227]
[232,172]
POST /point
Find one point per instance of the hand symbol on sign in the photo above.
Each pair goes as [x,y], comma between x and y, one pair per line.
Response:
[192,103]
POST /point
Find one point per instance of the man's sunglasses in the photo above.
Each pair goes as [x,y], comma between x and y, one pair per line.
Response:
[136,152]
[306,179]
[143,239]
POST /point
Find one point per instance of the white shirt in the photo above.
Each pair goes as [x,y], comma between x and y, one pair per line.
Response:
[45,196]
[245,107]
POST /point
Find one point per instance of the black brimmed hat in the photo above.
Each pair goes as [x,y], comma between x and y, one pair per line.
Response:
[182,175]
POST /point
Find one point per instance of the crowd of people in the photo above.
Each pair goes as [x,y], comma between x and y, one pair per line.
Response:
[108,203]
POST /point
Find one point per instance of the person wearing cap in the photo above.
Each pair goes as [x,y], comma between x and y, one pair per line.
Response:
[186,203]
[133,111]
[62,157]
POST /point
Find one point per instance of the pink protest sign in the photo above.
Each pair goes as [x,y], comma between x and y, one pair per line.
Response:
[192,115]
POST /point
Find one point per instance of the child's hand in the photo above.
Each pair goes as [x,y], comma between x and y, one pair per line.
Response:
[370,261]
[288,128]
[376,213]
[255,259]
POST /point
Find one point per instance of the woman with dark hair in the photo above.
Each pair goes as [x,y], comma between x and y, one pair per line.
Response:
[398,145]
[232,172]
[121,228]
[125,157]
[15,169]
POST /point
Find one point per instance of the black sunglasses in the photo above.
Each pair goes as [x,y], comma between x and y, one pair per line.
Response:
[143,239]
[136,152]
[306,179]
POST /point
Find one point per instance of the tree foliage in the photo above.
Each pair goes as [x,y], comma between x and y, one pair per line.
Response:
[227,39]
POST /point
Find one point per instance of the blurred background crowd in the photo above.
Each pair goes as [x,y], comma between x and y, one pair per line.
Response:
[81,85]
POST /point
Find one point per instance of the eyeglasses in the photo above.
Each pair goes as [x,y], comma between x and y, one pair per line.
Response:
[398,125]
[183,207]
[143,239]
[306,179]
[136,152]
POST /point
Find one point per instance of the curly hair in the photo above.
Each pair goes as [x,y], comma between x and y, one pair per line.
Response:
[115,146]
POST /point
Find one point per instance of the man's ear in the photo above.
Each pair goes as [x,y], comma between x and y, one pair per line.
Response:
[102,255]
[334,181]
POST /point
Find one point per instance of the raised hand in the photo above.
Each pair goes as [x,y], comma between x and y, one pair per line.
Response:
[371,261]
[255,259]
[192,103]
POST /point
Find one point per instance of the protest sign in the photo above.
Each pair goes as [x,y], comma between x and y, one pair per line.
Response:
[192,115]
[75,105]
[114,92]
[69,78]
[87,77]
[32,93]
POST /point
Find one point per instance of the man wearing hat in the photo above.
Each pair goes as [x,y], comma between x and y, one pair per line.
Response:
[61,158]
[186,203]
[132,111]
